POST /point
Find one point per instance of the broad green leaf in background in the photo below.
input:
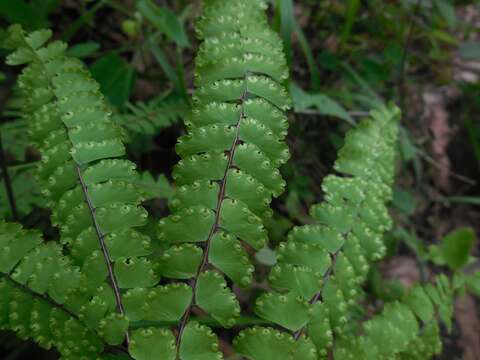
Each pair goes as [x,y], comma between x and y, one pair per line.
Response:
[350,17]
[287,21]
[31,15]
[165,21]
[407,149]
[470,50]
[456,246]
[116,78]
[19,11]
[447,10]
[83,50]
[473,283]
[404,201]
[322,103]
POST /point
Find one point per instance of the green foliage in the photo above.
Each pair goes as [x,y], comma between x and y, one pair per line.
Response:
[230,158]
[105,290]
[322,103]
[94,197]
[41,297]
[31,14]
[164,20]
[143,121]
[116,78]
[454,250]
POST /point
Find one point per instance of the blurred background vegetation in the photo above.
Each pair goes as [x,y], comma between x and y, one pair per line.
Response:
[346,57]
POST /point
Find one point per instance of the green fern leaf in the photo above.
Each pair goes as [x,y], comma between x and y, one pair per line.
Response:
[37,285]
[163,303]
[179,262]
[289,311]
[228,173]
[264,344]
[223,306]
[152,343]
[199,343]
[318,256]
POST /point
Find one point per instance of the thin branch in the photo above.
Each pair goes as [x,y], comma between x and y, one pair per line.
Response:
[215,226]
[8,182]
[106,255]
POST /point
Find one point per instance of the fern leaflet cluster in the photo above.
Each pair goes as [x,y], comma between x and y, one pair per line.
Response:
[92,193]
[229,168]
[320,268]
[36,285]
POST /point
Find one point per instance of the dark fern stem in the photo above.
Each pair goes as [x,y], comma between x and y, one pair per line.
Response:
[215,227]
[106,255]
[8,182]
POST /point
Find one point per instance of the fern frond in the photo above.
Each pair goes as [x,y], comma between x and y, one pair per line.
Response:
[403,330]
[93,194]
[333,257]
[230,158]
[320,267]
[36,285]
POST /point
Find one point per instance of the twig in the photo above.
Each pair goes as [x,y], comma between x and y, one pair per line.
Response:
[432,162]
[8,182]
